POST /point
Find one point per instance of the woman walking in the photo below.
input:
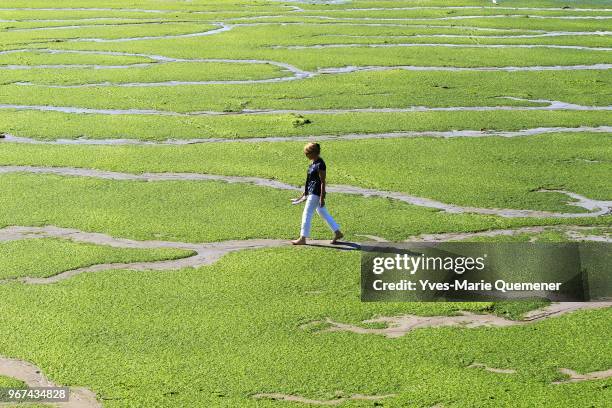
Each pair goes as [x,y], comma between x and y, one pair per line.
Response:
[314,194]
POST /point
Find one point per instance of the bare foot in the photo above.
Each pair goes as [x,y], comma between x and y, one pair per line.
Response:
[299,241]
[337,235]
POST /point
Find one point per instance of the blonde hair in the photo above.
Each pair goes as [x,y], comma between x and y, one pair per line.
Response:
[312,148]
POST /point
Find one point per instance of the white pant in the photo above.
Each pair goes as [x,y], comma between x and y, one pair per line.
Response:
[312,204]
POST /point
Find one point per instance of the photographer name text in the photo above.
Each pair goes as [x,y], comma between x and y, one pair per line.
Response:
[462,285]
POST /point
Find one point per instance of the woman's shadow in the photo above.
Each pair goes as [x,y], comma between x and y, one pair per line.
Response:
[340,245]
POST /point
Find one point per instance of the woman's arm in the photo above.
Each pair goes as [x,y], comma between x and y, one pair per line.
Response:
[322,198]
[299,198]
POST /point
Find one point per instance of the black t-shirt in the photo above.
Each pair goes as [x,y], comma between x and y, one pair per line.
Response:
[313,181]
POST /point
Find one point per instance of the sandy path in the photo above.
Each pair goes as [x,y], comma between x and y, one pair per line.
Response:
[326,71]
[160,59]
[297,73]
[448,45]
[535,35]
[351,136]
[350,68]
[336,401]
[496,7]
[550,104]
[32,376]
[206,253]
[307,2]
[398,326]
[221,29]
[453,18]
[573,232]
[577,377]
[492,369]
[595,207]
